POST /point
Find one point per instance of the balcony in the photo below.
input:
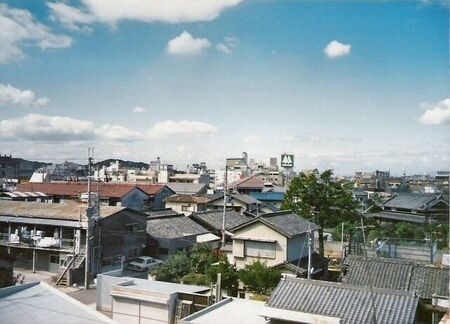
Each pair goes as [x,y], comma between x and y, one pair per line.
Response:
[37,241]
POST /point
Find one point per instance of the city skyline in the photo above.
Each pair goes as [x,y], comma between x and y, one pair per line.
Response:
[343,85]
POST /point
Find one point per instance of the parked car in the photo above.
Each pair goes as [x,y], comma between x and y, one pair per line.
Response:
[144,263]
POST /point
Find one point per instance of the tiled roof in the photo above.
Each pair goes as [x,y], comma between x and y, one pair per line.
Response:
[396,216]
[413,201]
[385,273]
[289,223]
[249,183]
[161,212]
[415,277]
[246,199]
[350,303]
[285,222]
[186,188]
[74,189]
[429,280]
[68,211]
[173,226]
[214,219]
[188,199]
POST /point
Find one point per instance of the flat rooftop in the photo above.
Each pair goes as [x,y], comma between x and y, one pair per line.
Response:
[230,310]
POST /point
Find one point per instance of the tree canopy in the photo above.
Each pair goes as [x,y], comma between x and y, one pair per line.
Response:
[321,199]
[259,278]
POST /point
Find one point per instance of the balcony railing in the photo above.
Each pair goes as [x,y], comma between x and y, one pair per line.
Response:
[37,241]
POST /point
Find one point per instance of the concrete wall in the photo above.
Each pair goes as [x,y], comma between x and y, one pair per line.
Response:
[260,231]
[131,311]
[105,282]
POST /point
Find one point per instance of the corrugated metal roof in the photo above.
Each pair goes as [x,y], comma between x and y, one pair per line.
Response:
[350,303]
[405,275]
[67,211]
[40,221]
[268,196]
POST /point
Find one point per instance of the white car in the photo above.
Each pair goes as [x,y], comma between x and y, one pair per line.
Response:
[144,263]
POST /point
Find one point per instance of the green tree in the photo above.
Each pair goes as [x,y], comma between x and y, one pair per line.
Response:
[230,277]
[177,266]
[258,278]
[321,199]
[202,258]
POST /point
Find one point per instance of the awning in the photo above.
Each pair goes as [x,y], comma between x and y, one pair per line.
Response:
[41,221]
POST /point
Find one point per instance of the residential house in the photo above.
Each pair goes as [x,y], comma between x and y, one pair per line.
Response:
[136,196]
[414,208]
[248,185]
[238,202]
[131,300]
[271,200]
[187,204]
[180,188]
[213,220]
[280,239]
[50,237]
[171,233]
[311,301]
[38,302]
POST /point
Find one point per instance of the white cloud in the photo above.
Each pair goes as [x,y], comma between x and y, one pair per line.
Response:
[118,133]
[18,28]
[15,96]
[251,139]
[139,110]
[228,45]
[436,114]
[148,11]
[70,17]
[185,128]
[34,127]
[336,49]
[185,44]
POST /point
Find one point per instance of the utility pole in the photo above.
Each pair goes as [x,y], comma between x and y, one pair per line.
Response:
[87,262]
[224,216]
[309,252]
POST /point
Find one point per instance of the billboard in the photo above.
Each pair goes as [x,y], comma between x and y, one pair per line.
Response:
[287,160]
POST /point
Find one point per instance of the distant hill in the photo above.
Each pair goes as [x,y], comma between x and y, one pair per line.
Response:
[126,164]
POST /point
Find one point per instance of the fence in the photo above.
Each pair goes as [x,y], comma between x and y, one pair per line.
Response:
[388,248]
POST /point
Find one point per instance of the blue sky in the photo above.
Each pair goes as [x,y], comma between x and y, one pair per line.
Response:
[344,85]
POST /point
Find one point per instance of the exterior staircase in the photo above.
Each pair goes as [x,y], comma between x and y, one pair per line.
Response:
[75,263]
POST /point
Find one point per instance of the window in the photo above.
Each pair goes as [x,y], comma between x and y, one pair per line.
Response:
[260,249]
[54,258]
[185,208]
[132,228]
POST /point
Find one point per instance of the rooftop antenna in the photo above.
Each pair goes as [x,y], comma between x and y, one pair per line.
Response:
[372,296]
[224,217]
[89,220]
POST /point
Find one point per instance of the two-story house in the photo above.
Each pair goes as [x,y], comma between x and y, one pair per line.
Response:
[280,239]
[50,237]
